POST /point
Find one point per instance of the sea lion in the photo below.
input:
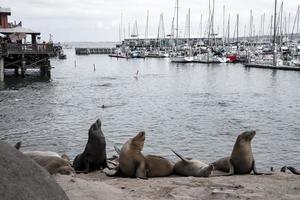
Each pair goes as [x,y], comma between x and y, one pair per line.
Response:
[53,164]
[241,160]
[94,155]
[196,168]
[49,160]
[132,163]
[292,169]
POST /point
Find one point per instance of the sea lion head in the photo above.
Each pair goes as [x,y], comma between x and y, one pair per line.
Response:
[95,127]
[138,141]
[248,135]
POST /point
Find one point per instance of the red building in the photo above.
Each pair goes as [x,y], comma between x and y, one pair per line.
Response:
[4,13]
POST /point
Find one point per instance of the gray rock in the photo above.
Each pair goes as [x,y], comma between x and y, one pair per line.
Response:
[22,179]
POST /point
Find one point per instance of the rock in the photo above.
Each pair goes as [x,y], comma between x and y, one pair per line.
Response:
[22,179]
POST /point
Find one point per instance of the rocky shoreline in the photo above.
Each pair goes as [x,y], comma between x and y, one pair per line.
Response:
[97,186]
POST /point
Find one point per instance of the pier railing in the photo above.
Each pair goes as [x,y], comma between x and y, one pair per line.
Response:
[6,49]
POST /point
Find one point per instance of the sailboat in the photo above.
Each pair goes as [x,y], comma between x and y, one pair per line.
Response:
[210,56]
[184,56]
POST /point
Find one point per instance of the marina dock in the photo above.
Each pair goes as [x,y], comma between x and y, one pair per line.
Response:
[87,51]
[282,67]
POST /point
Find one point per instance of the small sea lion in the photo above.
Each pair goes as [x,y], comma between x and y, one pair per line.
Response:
[94,155]
[241,160]
[54,165]
[196,168]
[292,169]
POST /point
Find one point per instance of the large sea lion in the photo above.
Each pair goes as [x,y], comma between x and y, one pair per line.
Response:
[94,155]
[241,160]
[196,168]
[132,163]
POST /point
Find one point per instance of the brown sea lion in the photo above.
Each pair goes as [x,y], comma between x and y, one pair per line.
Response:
[54,165]
[241,160]
[292,169]
[94,155]
[132,163]
[196,168]
[158,166]
[51,161]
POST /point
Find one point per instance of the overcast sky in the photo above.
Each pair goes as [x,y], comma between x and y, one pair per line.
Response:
[99,20]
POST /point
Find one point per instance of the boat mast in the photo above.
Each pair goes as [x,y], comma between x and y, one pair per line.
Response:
[223,25]
[237,30]
[209,24]
[177,16]
[228,28]
[147,25]
[274,38]
[189,24]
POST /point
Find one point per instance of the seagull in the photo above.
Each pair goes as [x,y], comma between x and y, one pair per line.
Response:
[136,75]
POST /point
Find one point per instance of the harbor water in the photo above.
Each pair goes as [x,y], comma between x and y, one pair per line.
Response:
[195,109]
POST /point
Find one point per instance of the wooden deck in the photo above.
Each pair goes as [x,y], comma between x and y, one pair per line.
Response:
[21,49]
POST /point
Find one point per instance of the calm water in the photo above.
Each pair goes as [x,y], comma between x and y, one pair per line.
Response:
[194,108]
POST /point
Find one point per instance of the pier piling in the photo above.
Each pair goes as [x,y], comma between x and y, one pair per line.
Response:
[1,69]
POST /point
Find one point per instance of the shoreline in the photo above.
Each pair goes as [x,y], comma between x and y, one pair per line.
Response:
[97,185]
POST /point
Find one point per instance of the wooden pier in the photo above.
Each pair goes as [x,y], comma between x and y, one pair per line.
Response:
[18,56]
[282,67]
[21,57]
[87,51]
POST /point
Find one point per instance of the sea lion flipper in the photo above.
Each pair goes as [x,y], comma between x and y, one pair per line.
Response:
[18,145]
[141,171]
[256,172]
[117,149]
[293,170]
[179,156]
[112,172]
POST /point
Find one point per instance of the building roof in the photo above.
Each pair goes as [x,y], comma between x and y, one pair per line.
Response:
[18,29]
[5,10]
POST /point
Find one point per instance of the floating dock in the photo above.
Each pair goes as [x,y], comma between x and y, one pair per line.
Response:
[87,51]
[282,67]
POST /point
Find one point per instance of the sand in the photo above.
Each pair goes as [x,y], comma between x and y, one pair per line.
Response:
[97,186]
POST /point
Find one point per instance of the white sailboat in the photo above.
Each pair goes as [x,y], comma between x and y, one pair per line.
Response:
[183,56]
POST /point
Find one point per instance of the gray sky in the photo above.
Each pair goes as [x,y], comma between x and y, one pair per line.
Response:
[98,20]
